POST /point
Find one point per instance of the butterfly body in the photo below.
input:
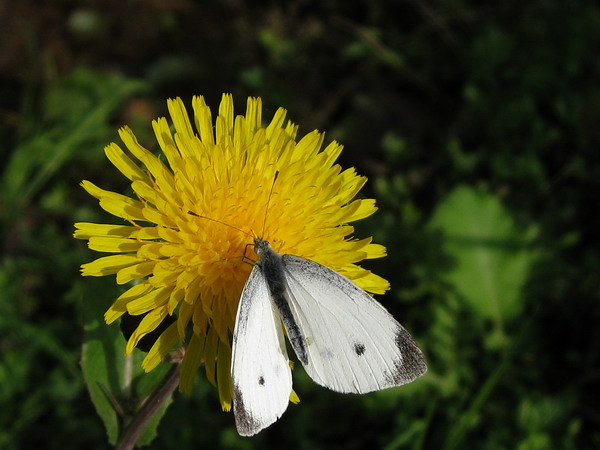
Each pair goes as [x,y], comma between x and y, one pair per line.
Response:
[272,267]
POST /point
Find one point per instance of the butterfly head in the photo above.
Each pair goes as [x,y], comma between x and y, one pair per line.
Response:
[261,247]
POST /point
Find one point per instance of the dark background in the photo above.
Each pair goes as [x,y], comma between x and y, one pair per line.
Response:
[499,97]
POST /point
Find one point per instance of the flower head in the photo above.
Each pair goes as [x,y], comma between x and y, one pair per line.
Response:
[196,211]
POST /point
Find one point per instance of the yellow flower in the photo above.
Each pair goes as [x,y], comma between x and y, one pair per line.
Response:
[181,253]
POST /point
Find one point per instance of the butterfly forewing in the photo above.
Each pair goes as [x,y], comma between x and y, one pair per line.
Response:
[262,379]
[353,343]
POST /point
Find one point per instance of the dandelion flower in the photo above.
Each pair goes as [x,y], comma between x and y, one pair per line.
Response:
[178,249]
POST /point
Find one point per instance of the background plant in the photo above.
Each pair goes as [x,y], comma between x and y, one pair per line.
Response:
[478,128]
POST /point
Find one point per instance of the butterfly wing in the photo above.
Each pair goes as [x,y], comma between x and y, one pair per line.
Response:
[353,344]
[262,378]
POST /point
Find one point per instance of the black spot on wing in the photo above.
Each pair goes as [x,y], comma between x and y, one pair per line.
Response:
[261,380]
[411,365]
[244,422]
[359,348]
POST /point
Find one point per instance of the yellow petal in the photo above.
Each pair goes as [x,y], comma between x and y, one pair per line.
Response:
[331,153]
[294,398]
[113,245]
[224,376]
[119,307]
[154,299]
[124,164]
[135,272]
[124,207]
[154,216]
[224,122]
[175,299]
[116,202]
[163,345]
[180,117]
[194,355]
[210,355]
[361,209]
[308,146]
[147,325]
[147,233]
[276,123]
[108,265]
[163,176]
[183,319]
[170,235]
[85,230]
[203,119]
[157,250]
[167,145]
[373,283]
[166,272]
[375,251]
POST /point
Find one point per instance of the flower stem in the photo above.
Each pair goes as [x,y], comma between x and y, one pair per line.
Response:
[162,392]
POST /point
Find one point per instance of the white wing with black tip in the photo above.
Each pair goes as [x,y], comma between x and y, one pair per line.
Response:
[262,378]
[353,345]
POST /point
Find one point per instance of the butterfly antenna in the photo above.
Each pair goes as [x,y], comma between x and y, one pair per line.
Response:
[269,201]
[222,223]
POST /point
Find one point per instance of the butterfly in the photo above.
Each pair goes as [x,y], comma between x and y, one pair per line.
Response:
[345,340]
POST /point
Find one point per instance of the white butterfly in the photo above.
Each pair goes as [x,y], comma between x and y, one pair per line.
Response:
[345,340]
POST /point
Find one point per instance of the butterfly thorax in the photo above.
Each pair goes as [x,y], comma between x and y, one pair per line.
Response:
[270,263]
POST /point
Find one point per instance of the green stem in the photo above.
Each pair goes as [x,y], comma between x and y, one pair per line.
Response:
[147,411]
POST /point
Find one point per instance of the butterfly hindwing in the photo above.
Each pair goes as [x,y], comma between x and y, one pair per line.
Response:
[353,343]
[262,379]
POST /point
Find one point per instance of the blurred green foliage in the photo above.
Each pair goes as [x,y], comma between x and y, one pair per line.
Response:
[478,126]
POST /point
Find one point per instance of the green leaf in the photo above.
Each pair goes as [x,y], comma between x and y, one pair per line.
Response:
[116,383]
[492,255]
[102,358]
